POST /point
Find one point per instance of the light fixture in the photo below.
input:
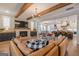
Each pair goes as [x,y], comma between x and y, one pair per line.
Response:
[7,11]
[65,23]
[35,13]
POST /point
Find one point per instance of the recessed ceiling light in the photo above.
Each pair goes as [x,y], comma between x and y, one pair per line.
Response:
[7,11]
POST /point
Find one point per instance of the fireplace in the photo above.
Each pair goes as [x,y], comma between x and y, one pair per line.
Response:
[23,33]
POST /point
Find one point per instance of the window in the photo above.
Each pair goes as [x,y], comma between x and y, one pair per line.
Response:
[6,22]
[32,25]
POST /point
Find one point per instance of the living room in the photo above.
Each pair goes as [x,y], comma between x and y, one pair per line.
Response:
[38,29]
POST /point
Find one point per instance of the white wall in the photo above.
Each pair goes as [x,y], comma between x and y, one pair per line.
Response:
[11,21]
[78,30]
[1,25]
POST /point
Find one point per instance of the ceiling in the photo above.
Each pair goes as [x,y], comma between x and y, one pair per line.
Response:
[50,17]
[63,12]
[9,8]
[40,7]
[12,8]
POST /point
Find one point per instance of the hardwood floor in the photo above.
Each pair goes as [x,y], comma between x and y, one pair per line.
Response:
[5,48]
[73,48]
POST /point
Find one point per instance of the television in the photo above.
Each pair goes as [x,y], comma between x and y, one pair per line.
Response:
[21,24]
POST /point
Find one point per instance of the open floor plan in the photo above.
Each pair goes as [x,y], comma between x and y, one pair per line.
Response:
[39,29]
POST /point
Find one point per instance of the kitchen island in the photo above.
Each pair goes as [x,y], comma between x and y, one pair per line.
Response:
[12,33]
[7,35]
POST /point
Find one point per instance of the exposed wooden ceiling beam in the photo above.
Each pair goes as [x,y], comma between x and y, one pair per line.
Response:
[22,9]
[53,8]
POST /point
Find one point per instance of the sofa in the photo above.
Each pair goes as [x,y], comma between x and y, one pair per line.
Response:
[14,50]
[63,47]
[53,52]
[54,48]
[22,47]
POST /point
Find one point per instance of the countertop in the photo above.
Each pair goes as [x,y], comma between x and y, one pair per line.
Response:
[13,30]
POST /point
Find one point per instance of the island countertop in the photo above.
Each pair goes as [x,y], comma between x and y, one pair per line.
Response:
[13,30]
